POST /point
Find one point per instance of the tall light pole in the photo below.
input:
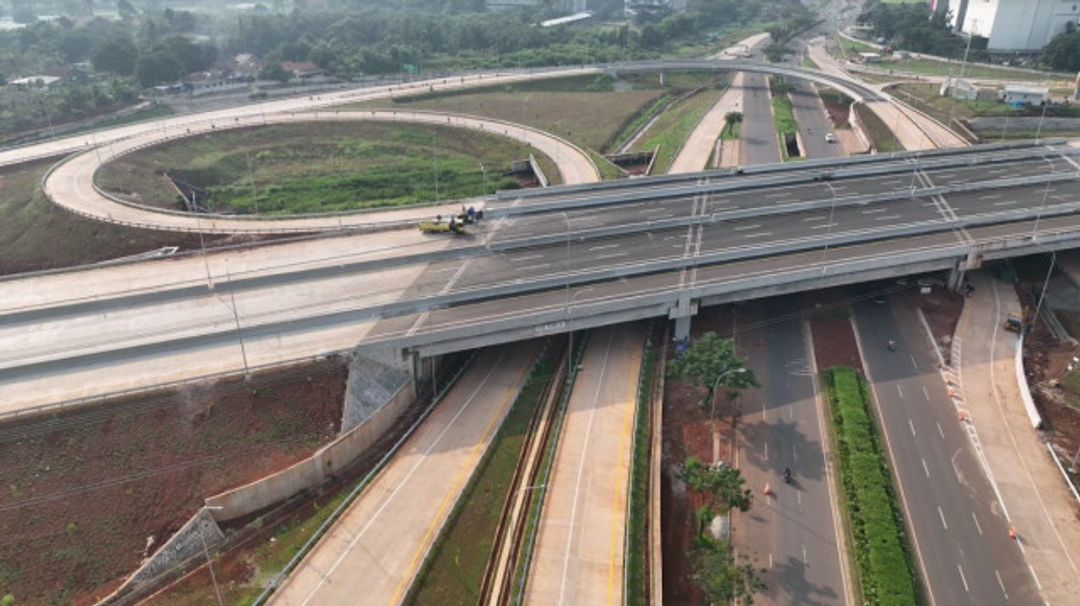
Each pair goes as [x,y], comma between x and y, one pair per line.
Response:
[483,188]
[1046,192]
[566,300]
[739,370]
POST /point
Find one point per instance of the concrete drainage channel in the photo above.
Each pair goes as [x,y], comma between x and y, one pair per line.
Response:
[378,394]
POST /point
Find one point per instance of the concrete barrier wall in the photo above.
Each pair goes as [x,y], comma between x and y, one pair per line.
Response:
[539,172]
[1025,392]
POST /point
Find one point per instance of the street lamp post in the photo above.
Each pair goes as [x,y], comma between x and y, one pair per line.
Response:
[1042,208]
[483,173]
[566,300]
[716,384]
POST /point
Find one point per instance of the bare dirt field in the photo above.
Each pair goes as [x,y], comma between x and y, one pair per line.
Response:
[89,492]
[830,327]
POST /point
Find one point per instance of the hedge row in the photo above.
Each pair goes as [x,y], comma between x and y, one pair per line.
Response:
[881,549]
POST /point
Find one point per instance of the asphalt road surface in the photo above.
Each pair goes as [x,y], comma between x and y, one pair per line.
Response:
[794,533]
[757,133]
[813,121]
[959,534]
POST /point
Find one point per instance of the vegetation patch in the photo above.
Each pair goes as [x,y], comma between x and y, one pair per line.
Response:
[886,570]
[880,136]
[672,128]
[37,234]
[318,167]
[637,535]
[454,570]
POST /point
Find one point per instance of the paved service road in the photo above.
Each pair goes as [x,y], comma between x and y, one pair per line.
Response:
[959,533]
[793,534]
[813,122]
[578,554]
[1030,488]
[373,551]
[758,133]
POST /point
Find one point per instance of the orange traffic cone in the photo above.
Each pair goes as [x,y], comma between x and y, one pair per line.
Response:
[961,415]
[768,489]
[952,392]
[1012,532]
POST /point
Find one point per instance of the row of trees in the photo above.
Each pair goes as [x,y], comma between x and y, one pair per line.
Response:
[713,363]
[914,28]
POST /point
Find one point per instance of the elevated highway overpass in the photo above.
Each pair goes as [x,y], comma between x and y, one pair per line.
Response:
[564,259]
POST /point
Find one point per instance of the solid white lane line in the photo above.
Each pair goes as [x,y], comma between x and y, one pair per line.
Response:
[911,426]
[900,391]
[746,227]
[794,455]
[602,247]
[610,256]
[809,219]
[977,525]
[804,555]
[990,197]
[770,559]
[525,258]
[1038,585]
[962,578]
[887,218]
[766,451]
[532,267]
[760,234]
[942,515]
[798,497]
[1001,585]
[1005,202]
[824,225]
[874,211]
[925,469]
[939,430]
[927,394]
[914,364]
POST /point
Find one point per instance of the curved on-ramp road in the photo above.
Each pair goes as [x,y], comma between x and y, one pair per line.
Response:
[71,184]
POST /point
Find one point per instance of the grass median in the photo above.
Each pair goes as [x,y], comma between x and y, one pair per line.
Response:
[886,571]
[670,131]
[637,545]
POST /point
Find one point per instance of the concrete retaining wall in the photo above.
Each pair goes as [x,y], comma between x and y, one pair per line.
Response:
[311,472]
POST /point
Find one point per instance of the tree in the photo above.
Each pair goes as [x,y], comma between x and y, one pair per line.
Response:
[722,485]
[721,577]
[712,362]
[1063,52]
[275,71]
[117,56]
[155,68]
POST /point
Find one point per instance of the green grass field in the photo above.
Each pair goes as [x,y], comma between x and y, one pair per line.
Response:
[880,136]
[36,234]
[319,167]
[671,129]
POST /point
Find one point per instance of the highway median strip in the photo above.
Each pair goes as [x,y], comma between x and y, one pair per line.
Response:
[886,570]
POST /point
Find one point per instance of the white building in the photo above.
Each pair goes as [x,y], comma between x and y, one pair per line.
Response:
[1025,95]
[1013,25]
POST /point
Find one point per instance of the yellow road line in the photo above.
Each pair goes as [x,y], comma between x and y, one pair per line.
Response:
[461,477]
[627,417]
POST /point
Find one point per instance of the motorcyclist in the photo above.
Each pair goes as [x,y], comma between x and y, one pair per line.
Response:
[892,345]
[787,475]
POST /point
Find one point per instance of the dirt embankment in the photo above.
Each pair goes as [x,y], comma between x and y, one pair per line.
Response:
[88,493]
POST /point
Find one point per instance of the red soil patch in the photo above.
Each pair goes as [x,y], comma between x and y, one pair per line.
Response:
[834,338]
[85,488]
[942,311]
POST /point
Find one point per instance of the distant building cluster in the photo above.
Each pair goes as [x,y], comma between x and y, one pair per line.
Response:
[1012,26]
[237,74]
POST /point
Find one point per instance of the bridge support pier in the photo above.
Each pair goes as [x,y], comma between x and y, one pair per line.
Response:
[973,260]
[681,313]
